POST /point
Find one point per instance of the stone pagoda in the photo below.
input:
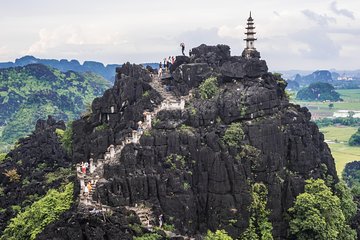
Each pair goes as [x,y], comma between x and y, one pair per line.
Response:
[250,50]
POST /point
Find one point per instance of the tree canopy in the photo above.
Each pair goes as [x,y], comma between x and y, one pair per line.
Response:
[317,214]
[319,91]
[355,139]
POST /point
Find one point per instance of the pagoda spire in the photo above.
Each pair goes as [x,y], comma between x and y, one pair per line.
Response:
[250,50]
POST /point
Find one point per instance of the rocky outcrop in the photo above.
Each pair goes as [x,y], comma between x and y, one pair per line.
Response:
[33,159]
[115,114]
[79,226]
[183,167]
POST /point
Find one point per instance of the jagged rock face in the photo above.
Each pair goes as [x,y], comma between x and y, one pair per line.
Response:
[118,110]
[80,226]
[33,158]
[240,68]
[184,168]
[290,149]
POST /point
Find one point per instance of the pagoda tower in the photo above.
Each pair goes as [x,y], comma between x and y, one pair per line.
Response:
[250,50]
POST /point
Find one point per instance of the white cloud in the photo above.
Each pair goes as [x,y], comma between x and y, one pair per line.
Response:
[232,32]
[343,11]
[72,35]
[116,31]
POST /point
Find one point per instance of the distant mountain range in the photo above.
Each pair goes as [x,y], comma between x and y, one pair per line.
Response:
[291,74]
[64,65]
[298,81]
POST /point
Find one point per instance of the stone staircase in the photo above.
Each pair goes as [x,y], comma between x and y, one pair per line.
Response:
[145,215]
[96,169]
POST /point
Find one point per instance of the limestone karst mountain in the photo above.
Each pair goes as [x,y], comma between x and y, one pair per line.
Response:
[196,166]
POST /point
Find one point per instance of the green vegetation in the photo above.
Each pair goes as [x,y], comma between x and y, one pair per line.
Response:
[147,133]
[249,152]
[36,91]
[168,227]
[218,235]
[60,174]
[186,186]
[318,109]
[317,214]
[318,92]
[155,122]
[176,161]
[187,129]
[355,138]
[259,225]
[337,138]
[233,135]
[2,157]
[347,204]
[29,223]
[136,228]
[345,121]
[192,111]
[146,94]
[209,88]
[351,176]
[101,127]
[66,137]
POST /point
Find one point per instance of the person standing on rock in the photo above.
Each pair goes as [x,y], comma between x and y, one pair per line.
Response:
[182,45]
[161,221]
[89,186]
[83,168]
[169,62]
[160,65]
[160,73]
[86,191]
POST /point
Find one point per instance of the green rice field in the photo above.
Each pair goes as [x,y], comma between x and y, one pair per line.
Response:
[351,102]
[340,150]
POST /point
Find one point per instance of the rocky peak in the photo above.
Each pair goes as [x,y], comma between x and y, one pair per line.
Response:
[196,166]
[33,160]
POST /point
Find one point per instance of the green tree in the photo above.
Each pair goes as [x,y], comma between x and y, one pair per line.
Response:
[347,204]
[317,214]
[217,235]
[355,138]
[351,175]
[233,135]
[66,137]
[259,225]
[208,88]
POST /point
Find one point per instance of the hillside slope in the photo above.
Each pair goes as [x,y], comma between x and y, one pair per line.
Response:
[34,91]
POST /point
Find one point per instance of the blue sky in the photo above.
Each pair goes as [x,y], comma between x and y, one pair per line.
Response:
[292,34]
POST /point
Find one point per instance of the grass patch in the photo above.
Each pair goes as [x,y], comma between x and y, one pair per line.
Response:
[351,101]
[340,150]
[340,134]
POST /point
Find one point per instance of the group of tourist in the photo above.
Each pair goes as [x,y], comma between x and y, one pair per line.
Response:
[87,189]
[88,186]
[165,65]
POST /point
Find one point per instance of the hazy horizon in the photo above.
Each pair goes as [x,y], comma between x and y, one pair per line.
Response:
[305,35]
